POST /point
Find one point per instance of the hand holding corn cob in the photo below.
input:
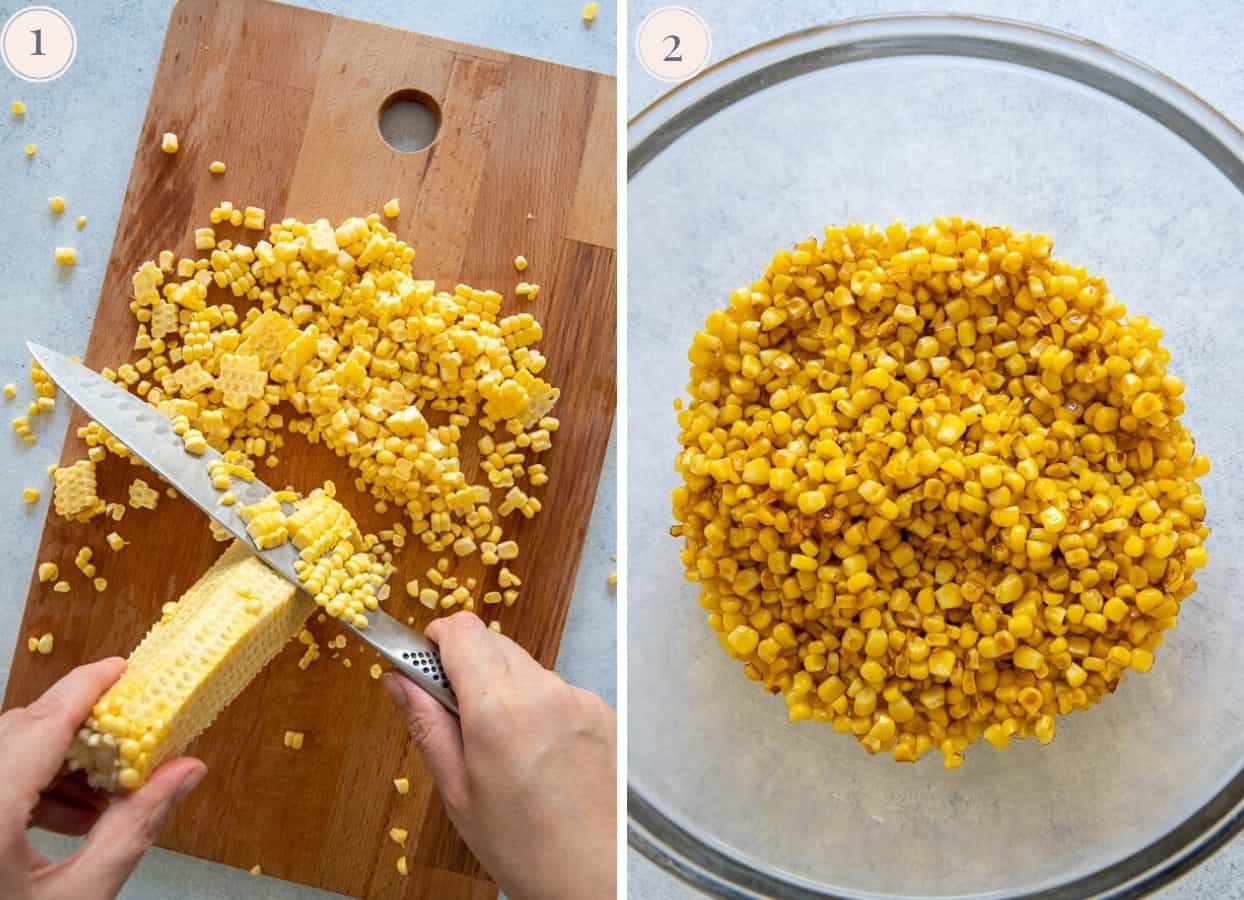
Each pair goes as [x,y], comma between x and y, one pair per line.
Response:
[528,772]
[33,741]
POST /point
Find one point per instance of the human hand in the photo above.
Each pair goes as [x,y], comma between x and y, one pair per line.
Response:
[35,791]
[528,773]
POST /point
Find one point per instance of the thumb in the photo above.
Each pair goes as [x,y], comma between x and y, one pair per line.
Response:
[123,833]
[435,732]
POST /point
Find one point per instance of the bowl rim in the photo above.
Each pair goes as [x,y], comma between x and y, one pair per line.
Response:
[703,863]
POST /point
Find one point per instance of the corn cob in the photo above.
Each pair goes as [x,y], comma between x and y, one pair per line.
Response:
[201,654]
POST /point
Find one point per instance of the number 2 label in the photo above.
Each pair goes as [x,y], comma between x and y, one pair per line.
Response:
[673,43]
[673,55]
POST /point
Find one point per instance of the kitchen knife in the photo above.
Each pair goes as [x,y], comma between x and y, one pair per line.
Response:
[150,437]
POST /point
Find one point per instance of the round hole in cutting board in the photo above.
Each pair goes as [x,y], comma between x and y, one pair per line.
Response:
[409,121]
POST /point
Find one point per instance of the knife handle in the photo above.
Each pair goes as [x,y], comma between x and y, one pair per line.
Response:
[411,653]
[423,667]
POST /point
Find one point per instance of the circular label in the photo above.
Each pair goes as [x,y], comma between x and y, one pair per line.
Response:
[38,43]
[673,43]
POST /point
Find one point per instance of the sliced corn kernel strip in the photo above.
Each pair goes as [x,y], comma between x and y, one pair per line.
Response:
[74,492]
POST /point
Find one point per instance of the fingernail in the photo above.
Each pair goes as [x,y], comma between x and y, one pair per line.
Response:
[394,689]
[190,782]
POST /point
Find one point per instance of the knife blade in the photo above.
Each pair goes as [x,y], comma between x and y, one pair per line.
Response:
[150,436]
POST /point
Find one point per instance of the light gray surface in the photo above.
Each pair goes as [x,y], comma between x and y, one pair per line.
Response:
[1195,44]
[86,125]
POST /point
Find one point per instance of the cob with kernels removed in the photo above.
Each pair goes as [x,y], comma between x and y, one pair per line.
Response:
[201,654]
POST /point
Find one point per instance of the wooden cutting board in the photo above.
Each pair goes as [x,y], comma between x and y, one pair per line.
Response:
[523,163]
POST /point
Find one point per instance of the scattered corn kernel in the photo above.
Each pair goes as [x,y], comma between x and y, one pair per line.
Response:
[402,785]
[30,494]
[169,143]
[65,256]
[520,263]
[590,11]
[392,209]
[216,167]
[399,835]
[81,222]
[45,644]
[31,149]
[401,865]
[56,204]
[18,107]
[48,571]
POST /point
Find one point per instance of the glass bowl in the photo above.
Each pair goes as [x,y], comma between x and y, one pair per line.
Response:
[908,118]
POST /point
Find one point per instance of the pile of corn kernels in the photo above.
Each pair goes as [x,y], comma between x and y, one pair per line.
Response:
[335,339]
[935,485]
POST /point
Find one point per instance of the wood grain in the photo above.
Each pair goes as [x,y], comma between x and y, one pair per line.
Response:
[523,163]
